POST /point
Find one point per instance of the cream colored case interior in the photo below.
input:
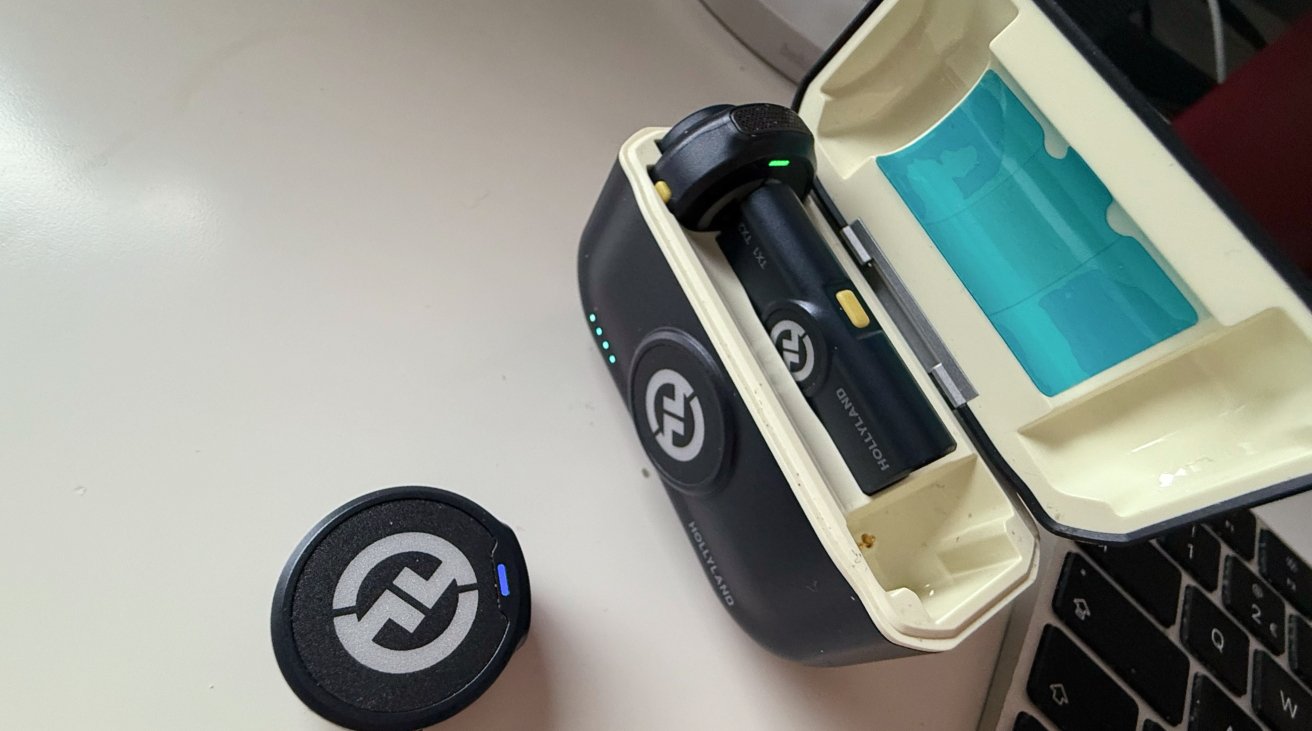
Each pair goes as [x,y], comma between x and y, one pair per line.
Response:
[1207,416]
[931,558]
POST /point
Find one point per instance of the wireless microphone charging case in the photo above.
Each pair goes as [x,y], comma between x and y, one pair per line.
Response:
[1212,414]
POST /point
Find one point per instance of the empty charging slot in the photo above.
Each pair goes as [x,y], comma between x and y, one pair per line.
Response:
[943,540]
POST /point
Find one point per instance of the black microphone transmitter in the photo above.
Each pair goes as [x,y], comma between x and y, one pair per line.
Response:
[742,170]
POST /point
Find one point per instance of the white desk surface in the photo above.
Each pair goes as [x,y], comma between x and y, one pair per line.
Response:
[258,258]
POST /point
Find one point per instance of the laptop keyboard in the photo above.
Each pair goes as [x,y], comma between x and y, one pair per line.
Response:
[1209,627]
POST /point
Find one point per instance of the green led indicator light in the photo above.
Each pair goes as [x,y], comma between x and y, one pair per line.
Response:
[780,163]
[605,345]
[598,331]
[592,317]
[612,360]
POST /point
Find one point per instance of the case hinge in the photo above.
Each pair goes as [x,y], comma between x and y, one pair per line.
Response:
[907,315]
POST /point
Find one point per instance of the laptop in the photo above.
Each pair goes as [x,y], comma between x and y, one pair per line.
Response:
[1206,627]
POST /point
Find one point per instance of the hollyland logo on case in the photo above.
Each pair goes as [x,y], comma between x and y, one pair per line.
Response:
[712,568]
[794,344]
[358,632]
[674,415]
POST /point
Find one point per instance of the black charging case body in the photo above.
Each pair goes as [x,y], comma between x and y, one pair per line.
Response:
[754,542]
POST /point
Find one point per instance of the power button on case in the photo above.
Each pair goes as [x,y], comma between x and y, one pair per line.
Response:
[679,411]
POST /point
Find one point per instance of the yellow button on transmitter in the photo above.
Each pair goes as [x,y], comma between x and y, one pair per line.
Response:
[856,314]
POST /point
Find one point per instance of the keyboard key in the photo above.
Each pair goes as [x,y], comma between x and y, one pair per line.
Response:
[1026,722]
[1212,709]
[1238,530]
[1123,637]
[1073,692]
[1198,551]
[1146,574]
[1215,640]
[1254,604]
[1278,699]
[1300,649]
[1288,573]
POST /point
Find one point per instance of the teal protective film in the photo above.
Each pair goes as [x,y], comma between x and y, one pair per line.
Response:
[1028,236]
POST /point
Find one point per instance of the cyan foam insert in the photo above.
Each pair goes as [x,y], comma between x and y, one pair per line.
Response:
[1028,235]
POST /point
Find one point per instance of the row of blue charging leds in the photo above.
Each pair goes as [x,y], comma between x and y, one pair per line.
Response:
[605,344]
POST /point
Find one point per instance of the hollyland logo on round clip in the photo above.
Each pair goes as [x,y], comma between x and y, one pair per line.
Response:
[399,609]
[357,632]
[674,415]
[794,345]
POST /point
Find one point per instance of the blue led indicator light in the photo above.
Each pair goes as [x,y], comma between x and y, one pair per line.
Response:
[592,317]
[598,331]
[605,345]
[501,576]
[612,360]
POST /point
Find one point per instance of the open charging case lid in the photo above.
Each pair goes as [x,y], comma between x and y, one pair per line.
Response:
[1157,369]
[951,137]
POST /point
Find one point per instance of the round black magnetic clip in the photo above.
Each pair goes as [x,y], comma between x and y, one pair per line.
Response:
[713,158]
[400,609]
